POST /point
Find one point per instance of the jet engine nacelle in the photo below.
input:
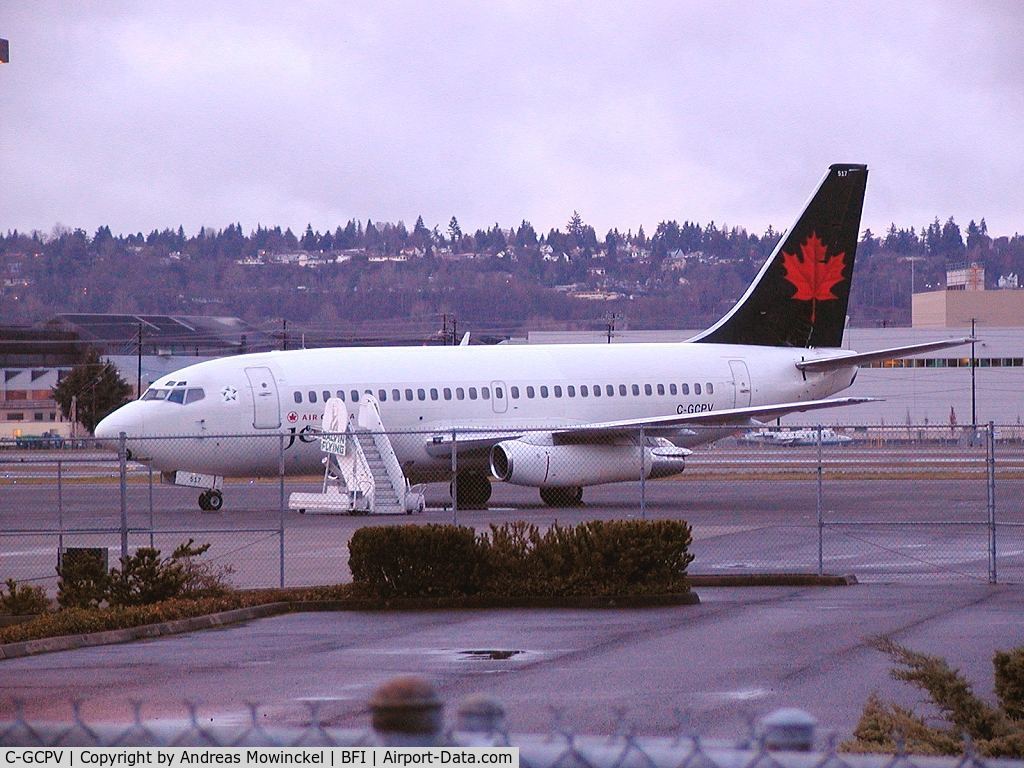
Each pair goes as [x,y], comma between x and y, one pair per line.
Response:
[524,462]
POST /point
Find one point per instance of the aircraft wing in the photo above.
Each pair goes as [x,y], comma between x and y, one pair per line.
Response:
[860,358]
[728,417]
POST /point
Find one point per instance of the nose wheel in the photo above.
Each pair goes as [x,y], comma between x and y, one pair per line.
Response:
[211,501]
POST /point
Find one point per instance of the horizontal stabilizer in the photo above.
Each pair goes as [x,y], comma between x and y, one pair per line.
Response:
[860,358]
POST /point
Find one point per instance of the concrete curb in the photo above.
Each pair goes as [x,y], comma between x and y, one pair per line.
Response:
[237,615]
[142,632]
[771,580]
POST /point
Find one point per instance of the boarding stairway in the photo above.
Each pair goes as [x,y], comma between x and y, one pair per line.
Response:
[362,474]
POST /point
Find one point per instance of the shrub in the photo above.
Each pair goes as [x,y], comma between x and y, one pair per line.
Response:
[517,560]
[23,600]
[144,578]
[996,732]
[84,580]
[416,560]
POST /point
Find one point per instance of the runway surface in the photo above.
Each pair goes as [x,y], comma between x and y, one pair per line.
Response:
[907,514]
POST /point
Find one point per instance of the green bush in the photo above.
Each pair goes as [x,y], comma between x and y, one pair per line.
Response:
[83,581]
[517,560]
[23,600]
[416,560]
[995,731]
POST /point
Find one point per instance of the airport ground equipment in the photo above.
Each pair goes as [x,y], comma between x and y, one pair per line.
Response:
[361,471]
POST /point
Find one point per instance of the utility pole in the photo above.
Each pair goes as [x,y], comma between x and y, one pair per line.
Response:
[974,402]
[455,331]
[444,329]
[138,375]
[284,334]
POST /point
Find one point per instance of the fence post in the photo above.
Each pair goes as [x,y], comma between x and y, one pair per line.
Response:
[643,474]
[122,465]
[151,544]
[280,522]
[990,461]
[455,481]
[820,508]
[60,509]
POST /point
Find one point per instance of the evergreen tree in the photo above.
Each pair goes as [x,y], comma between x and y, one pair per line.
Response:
[95,386]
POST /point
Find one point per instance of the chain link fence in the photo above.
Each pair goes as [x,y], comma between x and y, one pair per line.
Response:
[408,712]
[913,502]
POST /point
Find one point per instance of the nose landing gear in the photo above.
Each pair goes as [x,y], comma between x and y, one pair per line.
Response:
[211,501]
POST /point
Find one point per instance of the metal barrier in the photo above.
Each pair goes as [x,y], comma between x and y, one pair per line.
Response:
[882,502]
[408,711]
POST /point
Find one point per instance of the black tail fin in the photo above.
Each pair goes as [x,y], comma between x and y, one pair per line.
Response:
[799,297]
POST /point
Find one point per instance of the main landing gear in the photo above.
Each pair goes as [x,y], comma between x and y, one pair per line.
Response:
[211,501]
[562,497]
[474,490]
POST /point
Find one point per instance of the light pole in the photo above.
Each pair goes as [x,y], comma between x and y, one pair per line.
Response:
[974,404]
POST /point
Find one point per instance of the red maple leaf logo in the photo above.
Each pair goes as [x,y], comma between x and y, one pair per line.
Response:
[813,276]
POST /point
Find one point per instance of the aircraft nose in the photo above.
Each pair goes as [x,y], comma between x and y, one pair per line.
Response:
[125,419]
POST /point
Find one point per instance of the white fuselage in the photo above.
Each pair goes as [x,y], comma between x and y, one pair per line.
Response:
[246,400]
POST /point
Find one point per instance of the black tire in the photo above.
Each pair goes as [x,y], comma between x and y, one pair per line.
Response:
[215,501]
[562,497]
[474,490]
[204,501]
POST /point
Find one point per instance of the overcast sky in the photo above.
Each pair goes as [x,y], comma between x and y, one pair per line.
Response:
[150,115]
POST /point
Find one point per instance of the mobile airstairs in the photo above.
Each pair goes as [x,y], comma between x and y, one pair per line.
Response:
[362,475]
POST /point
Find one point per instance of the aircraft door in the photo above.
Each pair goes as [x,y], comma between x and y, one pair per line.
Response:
[741,383]
[266,409]
[499,396]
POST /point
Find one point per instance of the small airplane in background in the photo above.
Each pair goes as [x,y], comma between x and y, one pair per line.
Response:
[554,417]
[795,437]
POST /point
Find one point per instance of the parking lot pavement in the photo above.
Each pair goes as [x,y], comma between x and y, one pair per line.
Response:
[741,652]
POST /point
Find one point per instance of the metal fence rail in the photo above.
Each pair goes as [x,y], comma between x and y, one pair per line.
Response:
[882,502]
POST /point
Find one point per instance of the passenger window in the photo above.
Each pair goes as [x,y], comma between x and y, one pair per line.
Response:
[472,393]
[661,389]
[515,393]
[530,392]
[311,395]
[543,391]
[499,393]
[686,389]
[382,395]
[298,397]
[460,393]
[584,391]
[176,396]
[447,393]
[558,391]
[672,389]
[622,389]
[711,388]
[485,393]
[327,395]
[194,395]
[341,394]
[696,389]
[408,394]
[570,391]
[433,393]
[421,394]
[609,390]
[396,395]
[647,390]
[355,395]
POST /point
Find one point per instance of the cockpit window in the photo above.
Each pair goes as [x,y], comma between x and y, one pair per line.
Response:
[177,395]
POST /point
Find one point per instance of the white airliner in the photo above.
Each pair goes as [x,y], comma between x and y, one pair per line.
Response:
[555,417]
[796,437]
